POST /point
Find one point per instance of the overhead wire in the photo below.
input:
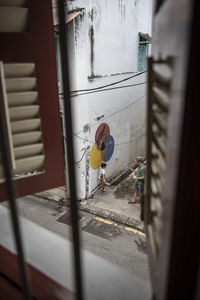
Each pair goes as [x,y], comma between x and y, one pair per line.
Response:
[128,142]
[119,144]
[106,85]
[108,117]
[109,89]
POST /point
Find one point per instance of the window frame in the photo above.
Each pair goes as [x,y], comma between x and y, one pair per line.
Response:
[43,56]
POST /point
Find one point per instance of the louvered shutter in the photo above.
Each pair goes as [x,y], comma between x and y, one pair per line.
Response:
[21,99]
[160,74]
[31,96]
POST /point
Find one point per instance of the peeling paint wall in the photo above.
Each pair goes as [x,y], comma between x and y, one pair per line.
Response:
[105,49]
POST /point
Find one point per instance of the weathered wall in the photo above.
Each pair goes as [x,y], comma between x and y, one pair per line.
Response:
[105,51]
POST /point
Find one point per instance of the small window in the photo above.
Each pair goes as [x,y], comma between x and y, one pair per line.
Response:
[142,53]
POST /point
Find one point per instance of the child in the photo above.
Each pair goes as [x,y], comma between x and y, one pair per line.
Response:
[102,177]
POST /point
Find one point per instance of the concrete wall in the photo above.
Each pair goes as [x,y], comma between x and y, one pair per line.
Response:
[105,50]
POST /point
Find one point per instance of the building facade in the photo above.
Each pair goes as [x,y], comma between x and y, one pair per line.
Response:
[108,42]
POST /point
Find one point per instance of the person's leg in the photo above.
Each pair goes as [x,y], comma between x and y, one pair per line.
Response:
[135,196]
[102,184]
[135,193]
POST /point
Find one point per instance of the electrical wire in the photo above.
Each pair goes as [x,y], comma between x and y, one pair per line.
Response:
[115,88]
[119,144]
[108,117]
[110,84]
[76,162]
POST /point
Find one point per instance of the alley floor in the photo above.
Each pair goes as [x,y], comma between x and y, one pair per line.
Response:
[104,231]
[113,204]
[119,244]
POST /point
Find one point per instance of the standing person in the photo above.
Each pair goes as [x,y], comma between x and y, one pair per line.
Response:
[139,181]
[102,177]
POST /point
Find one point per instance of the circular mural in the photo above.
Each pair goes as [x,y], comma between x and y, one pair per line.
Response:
[103,148]
[109,148]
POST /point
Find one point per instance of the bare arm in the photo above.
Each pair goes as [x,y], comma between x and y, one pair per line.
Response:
[142,177]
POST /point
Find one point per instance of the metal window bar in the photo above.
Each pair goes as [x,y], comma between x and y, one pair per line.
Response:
[70,150]
[6,161]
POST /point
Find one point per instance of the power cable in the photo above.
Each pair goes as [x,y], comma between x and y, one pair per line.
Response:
[76,162]
[108,117]
[110,84]
[119,144]
[115,88]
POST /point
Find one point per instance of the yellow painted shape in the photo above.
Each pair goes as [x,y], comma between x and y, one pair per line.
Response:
[119,226]
[135,231]
[95,157]
[103,220]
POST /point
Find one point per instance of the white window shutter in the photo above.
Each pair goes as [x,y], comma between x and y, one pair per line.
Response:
[24,124]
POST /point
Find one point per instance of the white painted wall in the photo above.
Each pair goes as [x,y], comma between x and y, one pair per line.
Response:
[115,24]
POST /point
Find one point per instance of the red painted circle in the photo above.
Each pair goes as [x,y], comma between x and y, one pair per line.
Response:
[102,132]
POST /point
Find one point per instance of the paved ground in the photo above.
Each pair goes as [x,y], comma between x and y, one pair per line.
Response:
[113,204]
[119,244]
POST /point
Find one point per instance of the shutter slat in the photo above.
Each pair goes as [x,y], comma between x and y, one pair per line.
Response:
[161,98]
[24,112]
[158,139]
[28,151]
[160,120]
[13,19]
[23,139]
[20,84]
[162,73]
[29,164]
[22,99]
[156,206]
[24,126]
[19,70]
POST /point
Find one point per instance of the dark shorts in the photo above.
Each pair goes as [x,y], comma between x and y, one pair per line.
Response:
[139,187]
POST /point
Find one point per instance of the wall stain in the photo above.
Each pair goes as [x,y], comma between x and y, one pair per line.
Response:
[91,35]
[96,76]
[77,21]
[122,9]
[76,31]
[77,9]
[92,14]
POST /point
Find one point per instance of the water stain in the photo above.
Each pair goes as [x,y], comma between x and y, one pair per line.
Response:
[141,245]
[91,35]
[125,189]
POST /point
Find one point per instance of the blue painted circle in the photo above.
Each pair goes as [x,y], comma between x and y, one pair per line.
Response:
[109,147]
